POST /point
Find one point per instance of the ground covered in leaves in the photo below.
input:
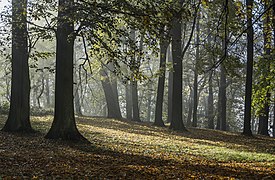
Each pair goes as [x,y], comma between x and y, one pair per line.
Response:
[128,150]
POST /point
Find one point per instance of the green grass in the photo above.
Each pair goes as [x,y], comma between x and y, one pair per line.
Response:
[130,150]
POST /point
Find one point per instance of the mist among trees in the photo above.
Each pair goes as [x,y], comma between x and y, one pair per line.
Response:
[76,73]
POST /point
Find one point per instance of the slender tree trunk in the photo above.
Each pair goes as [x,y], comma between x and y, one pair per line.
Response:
[47,91]
[223,99]
[41,91]
[263,118]
[64,125]
[19,114]
[249,71]
[195,86]
[161,83]
[210,104]
[190,108]
[149,103]
[170,86]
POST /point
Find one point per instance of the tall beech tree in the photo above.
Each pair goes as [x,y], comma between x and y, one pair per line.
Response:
[249,70]
[177,121]
[19,113]
[64,125]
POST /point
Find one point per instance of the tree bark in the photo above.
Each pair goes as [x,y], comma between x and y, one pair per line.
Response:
[195,85]
[264,113]
[19,113]
[111,96]
[177,121]
[64,125]
[170,86]
[210,104]
[129,103]
[161,83]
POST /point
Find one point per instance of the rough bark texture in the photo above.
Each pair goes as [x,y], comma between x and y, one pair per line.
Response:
[161,83]
[177,121]
[64,126]
[19,114]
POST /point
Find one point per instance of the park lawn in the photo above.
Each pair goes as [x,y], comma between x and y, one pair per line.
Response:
[128,150]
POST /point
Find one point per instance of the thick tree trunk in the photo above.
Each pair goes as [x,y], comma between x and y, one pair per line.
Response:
[249,71]
[177,121]
[161,83]
[64,125]
[111,96]
[19,114]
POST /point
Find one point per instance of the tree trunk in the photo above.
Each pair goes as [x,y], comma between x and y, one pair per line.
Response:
[190,108]
[177,121]
[249,71]
[210,104]
[64,125]
[129,104]
[19,114]
[161,83]
[195,85]
[135,101]
[170,86]
[263,119]
[47,91]
[111,96]
[223,98]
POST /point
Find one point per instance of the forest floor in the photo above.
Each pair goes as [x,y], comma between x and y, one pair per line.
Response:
[128,150]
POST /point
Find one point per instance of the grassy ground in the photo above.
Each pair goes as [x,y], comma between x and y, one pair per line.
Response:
[128,150]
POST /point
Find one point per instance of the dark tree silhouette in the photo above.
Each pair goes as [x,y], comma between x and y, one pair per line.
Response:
[161,82]
[64,126]
[19,114]
[249,70]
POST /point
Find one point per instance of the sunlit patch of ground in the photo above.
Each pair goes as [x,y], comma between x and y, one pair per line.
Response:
[129,150]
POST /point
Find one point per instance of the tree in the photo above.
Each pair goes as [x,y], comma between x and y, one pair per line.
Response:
[19,113]
[161,82]
[195,85]
[64,125]
[111,95]
[249,70]
[264,111]
[177,121]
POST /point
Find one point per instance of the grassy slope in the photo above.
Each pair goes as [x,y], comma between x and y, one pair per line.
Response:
[130,150]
